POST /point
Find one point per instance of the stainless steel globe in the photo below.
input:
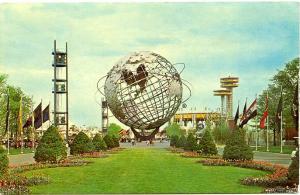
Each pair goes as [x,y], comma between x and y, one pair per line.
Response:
[143,91]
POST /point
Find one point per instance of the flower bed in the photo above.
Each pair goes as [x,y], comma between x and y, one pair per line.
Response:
[214,162]
[278,176]
[65,163]
[18,184]
[190,155]
[279,189]
[176,150]
[15,183]
[211,156]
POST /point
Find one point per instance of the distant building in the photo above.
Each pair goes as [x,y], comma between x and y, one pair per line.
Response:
[195,120]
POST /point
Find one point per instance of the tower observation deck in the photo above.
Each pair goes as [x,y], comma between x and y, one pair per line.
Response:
[227,83]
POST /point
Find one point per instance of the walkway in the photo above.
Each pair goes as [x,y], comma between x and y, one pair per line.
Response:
[21,159]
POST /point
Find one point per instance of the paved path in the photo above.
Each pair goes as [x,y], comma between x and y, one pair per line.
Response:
[157,144]
[21,159]
[276,158]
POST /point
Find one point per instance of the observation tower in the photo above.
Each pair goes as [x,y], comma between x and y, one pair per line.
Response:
[222,93]
[227,83]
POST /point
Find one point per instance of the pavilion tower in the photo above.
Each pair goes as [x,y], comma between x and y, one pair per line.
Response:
[227,83]
[60,90]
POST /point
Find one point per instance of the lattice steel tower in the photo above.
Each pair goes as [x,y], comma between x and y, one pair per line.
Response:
[60,90]
[104,116]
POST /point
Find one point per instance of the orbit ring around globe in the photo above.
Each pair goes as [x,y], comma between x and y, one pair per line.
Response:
[143,91]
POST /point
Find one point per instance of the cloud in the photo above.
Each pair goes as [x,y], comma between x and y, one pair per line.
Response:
[249,40]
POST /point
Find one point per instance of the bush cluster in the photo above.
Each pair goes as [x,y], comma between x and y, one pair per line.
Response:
[207,145]
[174,140]
[221,132]
[82,144]
[181,142]
[236,147]
[3,161]
[293,174]
[51,148]
[115,140]
[99,143]
[109,141]
[191,143]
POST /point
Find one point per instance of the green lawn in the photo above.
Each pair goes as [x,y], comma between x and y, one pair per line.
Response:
[276,149]
[14,151]
[144,170]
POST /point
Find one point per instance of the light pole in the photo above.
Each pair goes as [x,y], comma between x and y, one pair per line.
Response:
[7,118]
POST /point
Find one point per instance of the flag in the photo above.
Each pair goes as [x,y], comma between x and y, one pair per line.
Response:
[278,114]
[250,113]
[295,111]
[37,113]
[7,114]
[46,114]
[265,115]
[20,123]
[237,115]
[28,122]
[245,108]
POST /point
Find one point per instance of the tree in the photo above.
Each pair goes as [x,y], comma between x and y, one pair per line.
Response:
[51,147]
[287,79]
[99,143]
[174,140]
[3,161]
[82,144]
[191,143]
[174,129]
[15,94]
[114,129]
[207,145]
[181,142]
[236,147]
[108,141]
[221,132]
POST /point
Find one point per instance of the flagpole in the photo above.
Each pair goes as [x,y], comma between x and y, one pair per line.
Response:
[49,123]
[42,117]
[32,125]
[256,128]
[21,125]
[268,122]
[8,123]
[281,122]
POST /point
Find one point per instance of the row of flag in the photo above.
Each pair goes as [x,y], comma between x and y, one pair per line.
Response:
[251,112]
[39,116]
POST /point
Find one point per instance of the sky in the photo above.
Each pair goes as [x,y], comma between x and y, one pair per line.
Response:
[249,40]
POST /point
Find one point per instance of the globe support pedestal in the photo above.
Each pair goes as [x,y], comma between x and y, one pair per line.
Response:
[144,137]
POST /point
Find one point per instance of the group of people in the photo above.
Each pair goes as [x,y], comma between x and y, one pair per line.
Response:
[148,142]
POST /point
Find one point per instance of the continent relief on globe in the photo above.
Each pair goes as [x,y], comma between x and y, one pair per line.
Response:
[143,90]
